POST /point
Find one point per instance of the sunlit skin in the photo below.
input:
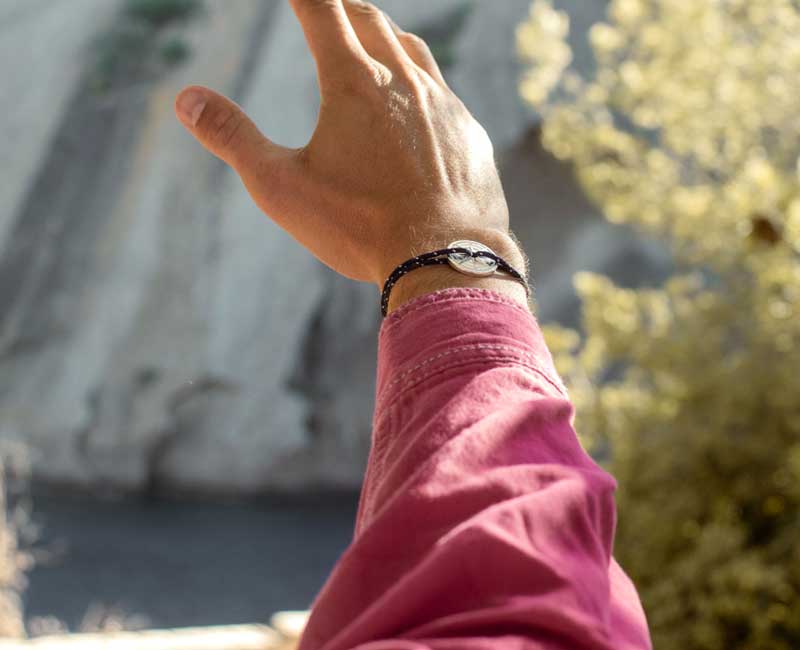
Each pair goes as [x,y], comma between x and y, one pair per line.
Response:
[396,167]
[705,422]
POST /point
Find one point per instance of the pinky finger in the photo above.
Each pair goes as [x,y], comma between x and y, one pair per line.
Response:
[419,52]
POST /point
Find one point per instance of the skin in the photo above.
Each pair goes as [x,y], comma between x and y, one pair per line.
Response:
[397,166]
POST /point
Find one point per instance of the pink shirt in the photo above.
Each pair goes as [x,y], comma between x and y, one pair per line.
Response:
[483,523]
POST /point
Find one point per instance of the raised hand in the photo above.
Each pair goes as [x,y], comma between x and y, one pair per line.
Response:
[396,166]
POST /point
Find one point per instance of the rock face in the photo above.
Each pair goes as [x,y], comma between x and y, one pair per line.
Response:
[43,42]
[158,333]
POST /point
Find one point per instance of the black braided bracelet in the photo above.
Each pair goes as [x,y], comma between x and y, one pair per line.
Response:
[435,257]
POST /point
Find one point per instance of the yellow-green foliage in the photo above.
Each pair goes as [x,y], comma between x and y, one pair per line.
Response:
[690,131]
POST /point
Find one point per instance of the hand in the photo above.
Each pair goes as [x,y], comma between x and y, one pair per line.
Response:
[396,166]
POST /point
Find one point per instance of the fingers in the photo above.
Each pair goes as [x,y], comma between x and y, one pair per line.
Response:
[419,52]
[376,34]
[331,39]
[223,128]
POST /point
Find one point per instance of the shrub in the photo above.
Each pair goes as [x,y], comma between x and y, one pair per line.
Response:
[158,13]
[175,50]
[125,51]
[688,132]
[119,52]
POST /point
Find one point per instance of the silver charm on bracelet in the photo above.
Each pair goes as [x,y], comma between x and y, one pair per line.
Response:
[475,266]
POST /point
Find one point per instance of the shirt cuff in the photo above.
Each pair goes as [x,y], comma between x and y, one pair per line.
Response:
[453,326]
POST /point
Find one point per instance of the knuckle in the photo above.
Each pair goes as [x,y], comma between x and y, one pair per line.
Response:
[365,10]
[309,8]
[223,126]
[359,82]
[347,85]
[383,76]
[315,4]
[415,41]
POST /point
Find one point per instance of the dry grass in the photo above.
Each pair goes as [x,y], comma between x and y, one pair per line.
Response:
[17,536]
[14,529]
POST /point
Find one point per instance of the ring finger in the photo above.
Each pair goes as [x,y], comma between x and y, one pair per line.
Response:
[418,50]
[376,35]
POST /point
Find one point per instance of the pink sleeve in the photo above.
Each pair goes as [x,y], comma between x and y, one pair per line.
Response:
[482,524]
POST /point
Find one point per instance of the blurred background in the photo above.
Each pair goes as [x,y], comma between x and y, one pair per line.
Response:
[186,394]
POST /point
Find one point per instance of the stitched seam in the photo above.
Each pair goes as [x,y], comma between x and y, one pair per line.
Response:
[443,301]
[432,373]
[415,381]
[490,296]
[463,348]
[533,359]
[379,453]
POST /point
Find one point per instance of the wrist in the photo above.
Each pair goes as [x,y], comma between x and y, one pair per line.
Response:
[440,277]
[428,279]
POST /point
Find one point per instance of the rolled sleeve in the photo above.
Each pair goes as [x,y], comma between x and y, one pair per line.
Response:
[482,521]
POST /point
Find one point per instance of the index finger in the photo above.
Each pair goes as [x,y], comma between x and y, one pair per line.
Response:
[331,38]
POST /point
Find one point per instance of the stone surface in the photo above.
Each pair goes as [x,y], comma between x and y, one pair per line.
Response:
[488,70]
[46,42]
[158,333]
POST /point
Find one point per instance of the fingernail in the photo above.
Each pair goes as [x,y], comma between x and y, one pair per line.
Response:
[190,106]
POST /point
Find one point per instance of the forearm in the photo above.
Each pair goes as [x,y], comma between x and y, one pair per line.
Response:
[482,522]
[482,525]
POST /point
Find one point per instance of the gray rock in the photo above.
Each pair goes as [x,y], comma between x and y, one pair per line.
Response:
[42,47]
[487,70]
[158,332]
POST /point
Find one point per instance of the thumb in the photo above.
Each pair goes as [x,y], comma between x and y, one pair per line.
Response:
[223,128]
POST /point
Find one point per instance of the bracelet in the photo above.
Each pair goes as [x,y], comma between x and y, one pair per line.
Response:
[466,256]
